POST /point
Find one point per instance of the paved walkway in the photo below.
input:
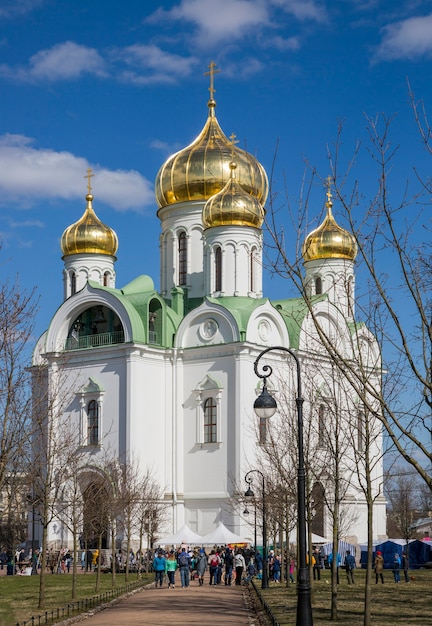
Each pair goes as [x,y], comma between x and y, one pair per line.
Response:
[220,604]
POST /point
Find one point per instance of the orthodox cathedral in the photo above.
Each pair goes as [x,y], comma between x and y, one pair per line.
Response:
[165,375]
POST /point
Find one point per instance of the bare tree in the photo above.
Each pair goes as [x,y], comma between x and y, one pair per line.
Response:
[53,451]
[394,254]
[17,315]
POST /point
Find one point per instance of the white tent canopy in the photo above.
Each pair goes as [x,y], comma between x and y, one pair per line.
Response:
[222,536]
[183,535]
[319,539]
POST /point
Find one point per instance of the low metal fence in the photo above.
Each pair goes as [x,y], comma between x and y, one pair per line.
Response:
[79,606]
[265,606]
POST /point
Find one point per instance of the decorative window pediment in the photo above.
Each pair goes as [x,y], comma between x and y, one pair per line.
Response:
[208,397]
[91,406]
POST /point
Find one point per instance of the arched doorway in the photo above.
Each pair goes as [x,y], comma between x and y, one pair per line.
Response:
[95,518]
[317,509]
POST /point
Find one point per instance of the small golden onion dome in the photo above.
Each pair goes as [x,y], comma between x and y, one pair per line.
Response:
[329,241]
[201,170]
[89,235]
[233,206]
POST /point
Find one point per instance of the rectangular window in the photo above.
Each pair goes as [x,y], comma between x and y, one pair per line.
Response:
[182,270]
[321,425]
[210,421]
[92,423]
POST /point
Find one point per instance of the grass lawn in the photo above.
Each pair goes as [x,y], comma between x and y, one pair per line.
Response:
[19,595]
[404,604]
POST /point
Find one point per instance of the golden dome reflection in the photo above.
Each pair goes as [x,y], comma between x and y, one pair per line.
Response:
[89,235]
[201,170]
[329,240]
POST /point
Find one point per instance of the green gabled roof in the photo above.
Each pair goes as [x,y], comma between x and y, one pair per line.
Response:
[240,307]
[293,312]
[355,326]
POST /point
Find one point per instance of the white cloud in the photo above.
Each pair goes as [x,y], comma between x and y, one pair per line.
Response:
[13,8]
[224,20]
[228,21]
[29,175]
[150,64]
[64,61]
[407,39]
[302,9]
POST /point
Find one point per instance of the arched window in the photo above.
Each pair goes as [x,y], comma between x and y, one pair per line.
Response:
[73,282]
[210,421]
[218,269]
[182,259]
[106,279]
[350,297]
[92,423]
[318,285]
[317,499]
[321,425]
[252,269]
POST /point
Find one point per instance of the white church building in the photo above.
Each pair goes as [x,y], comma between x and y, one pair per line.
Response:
[165,374]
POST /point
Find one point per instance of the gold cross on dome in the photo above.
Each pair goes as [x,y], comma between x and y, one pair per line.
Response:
[233,142]
[328,182]
[89,175]
[212,71]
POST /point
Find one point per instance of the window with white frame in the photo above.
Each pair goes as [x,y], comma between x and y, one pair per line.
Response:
[208,396]
[91,404]
[92,423]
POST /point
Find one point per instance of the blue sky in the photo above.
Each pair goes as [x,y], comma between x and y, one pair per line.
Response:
[119,86]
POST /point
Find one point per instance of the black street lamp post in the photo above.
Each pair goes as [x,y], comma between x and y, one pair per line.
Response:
[246,512]
[265,406]
[250,494]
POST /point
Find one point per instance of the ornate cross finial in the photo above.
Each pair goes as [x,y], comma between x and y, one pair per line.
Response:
[212,71]
[233,142]
[328,182]
[89,175]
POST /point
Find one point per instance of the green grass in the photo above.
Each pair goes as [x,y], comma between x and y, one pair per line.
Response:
[404,604]
[19,595]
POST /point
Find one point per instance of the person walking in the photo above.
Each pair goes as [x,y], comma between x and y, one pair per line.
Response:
[396,568]
[184,563]
[201,566]
[277,568]
[316,564]
[159,564]
[379,567]
[229,565]
[170,569]
[240,566]
[214,561]
[259,564]
[350,567]
[291,570]
[405,566]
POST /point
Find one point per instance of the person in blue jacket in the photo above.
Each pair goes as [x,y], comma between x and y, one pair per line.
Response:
[338,563]
[159,564]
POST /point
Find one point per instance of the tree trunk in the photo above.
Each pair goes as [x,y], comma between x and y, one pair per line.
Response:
[99,560]
[74,567]
[113,557]
[41,604]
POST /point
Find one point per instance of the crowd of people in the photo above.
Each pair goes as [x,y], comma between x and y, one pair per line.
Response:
[223,564]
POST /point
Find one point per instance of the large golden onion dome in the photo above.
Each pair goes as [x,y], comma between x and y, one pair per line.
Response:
[201,170]
[89,235]
[329,240]
[233,206]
